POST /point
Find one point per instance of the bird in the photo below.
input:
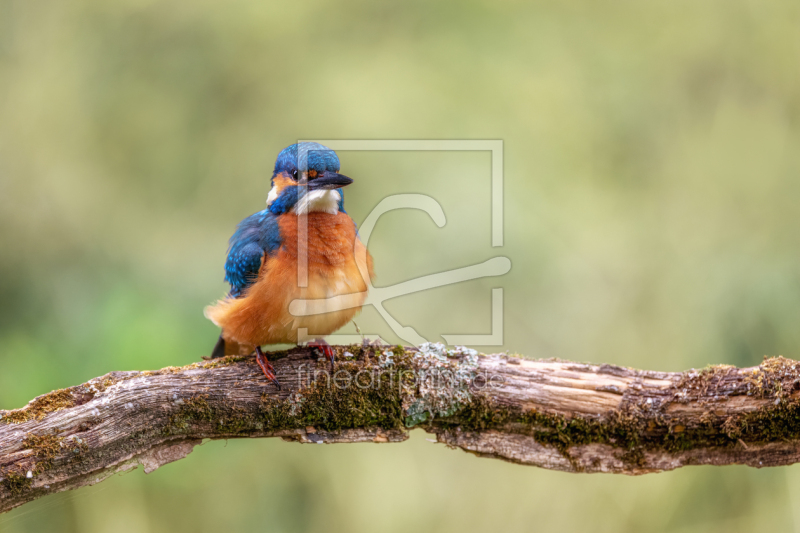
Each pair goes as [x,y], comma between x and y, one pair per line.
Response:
[268,250]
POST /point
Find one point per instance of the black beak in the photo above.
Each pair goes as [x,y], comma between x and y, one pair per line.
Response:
[328,180]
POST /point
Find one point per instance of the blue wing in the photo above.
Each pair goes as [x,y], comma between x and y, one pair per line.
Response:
[254,236]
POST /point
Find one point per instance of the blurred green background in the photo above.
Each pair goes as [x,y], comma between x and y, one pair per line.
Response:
[652,165]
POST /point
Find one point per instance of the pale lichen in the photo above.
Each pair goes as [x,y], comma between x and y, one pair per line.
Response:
[443,382]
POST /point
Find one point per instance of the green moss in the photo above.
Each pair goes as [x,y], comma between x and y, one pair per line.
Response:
[225,361]
[197,408]
[776,423]
[277,414]
[399,352]
[15,483]
[332,404]
[333,407]
[39,407]
[194,409]
[336,407]
[102,384]
[357,350]
[45,448]
[558,431]
[775,377]
[636,430]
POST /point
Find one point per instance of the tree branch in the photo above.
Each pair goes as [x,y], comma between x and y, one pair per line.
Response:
[553,414]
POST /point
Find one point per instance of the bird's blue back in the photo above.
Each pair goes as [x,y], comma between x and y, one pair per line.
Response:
[254,236]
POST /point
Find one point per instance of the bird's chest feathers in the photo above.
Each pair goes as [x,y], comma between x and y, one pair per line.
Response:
[328,242]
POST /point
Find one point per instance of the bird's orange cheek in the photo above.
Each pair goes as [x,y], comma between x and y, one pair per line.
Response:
[279,183]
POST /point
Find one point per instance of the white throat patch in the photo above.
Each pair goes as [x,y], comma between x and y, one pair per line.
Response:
[325,201]
[272,196]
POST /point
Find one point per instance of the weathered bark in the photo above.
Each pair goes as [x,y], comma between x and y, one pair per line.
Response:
[553,414]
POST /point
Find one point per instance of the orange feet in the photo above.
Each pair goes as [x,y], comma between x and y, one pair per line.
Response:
[266,366]
[324,348]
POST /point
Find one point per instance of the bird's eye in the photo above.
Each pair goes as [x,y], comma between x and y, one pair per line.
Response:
[294,174]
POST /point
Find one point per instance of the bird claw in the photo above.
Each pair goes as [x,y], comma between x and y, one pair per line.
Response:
[325,349]
[266,367]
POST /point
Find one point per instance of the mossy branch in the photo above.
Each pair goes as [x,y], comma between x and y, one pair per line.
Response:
[553,414]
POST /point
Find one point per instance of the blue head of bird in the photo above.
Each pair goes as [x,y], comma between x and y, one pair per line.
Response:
[306,179]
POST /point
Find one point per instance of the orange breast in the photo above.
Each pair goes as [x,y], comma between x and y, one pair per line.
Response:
[331,239]
[334,252]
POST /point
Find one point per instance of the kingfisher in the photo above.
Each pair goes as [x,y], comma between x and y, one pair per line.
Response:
[303,246]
